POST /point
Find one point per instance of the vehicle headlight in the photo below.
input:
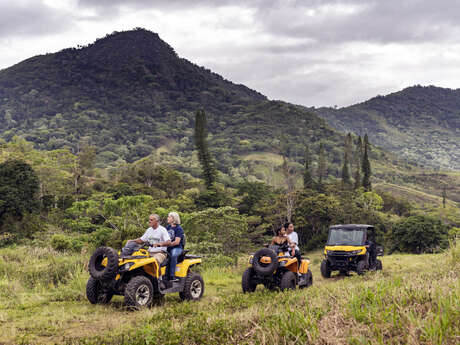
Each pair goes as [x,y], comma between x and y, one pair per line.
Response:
[125,267]
[355,252]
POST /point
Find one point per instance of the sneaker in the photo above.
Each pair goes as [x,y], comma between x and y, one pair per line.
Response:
[174,280]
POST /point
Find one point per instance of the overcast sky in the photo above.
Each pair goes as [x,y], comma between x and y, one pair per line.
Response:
[310,52]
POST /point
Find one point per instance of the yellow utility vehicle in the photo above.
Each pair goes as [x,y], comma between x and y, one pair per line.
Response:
[139,278]
[276,269]
[351,247]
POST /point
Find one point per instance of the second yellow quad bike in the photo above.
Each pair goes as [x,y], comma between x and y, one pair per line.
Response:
[351,247]
[139,279]
[276,269]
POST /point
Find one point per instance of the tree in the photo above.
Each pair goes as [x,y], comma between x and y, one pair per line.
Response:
[349,147]
[444,196]
[19,186]
[370,201]
[419,234]
[345,172]
[289,174]
[82,165]
[313,215]
[366,166]
[164,178]
[321,164]
[308,182]
[204,156]
[252,193]
[221,228]
[358,158]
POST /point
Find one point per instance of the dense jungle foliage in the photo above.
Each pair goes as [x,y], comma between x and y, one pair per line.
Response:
[71,205]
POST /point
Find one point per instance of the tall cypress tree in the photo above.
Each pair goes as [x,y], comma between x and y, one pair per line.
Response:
[321,164]
[358,158]
[308,182]
[349,148]
[348,152]
[345,171]
[444,196]
[204,156]
[366,166]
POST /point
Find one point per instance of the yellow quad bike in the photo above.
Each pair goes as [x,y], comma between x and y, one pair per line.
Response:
[276,269]
[139,279]
[351,247]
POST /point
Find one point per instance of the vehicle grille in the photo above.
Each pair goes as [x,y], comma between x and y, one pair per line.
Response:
[339,253]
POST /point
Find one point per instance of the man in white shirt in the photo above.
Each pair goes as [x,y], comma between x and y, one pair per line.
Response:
[294,238]
[158,238]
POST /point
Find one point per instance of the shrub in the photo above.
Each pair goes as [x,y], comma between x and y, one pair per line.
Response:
[419,234]
[62,242]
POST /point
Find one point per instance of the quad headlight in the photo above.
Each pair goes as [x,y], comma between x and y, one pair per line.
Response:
[126,267]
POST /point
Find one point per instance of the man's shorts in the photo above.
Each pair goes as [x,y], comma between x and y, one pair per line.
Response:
[159,256]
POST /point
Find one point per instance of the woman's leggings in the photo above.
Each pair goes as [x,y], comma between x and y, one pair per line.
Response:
[298,257]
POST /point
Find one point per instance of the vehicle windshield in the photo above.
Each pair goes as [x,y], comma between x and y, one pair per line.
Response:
[342,237]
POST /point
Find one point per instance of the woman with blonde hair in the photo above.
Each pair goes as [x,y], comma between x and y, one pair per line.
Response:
[176,233]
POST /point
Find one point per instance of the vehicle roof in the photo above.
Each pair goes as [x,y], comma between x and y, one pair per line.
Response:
[351,226]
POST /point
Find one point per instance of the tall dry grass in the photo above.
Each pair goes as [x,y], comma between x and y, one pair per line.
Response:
[414,300]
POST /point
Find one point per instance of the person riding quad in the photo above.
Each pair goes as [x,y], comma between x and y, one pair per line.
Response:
[157,237]
[294,239]
[176,234]
[282,242]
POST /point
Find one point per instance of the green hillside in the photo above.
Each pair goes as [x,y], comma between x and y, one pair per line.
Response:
[129,94]
[418,123]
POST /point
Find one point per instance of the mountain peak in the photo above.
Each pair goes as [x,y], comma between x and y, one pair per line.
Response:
[125,48]
[136,38]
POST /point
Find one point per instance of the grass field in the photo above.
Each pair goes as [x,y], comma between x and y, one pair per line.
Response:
[414,300]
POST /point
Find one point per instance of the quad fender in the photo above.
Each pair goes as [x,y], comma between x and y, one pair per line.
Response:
[291,264]
[183,267]
[304,266]
[150,266]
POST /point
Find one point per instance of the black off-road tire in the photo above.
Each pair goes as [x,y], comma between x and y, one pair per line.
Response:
[361,267]
[139,292]
[265,269]
[247,281]
[193,287]
[378,265]
[96,270]
[288,281]
[325,269]
[95,293]
[309,279]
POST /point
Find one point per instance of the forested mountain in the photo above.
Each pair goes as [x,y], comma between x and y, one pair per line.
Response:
[418,123]
[129,93]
